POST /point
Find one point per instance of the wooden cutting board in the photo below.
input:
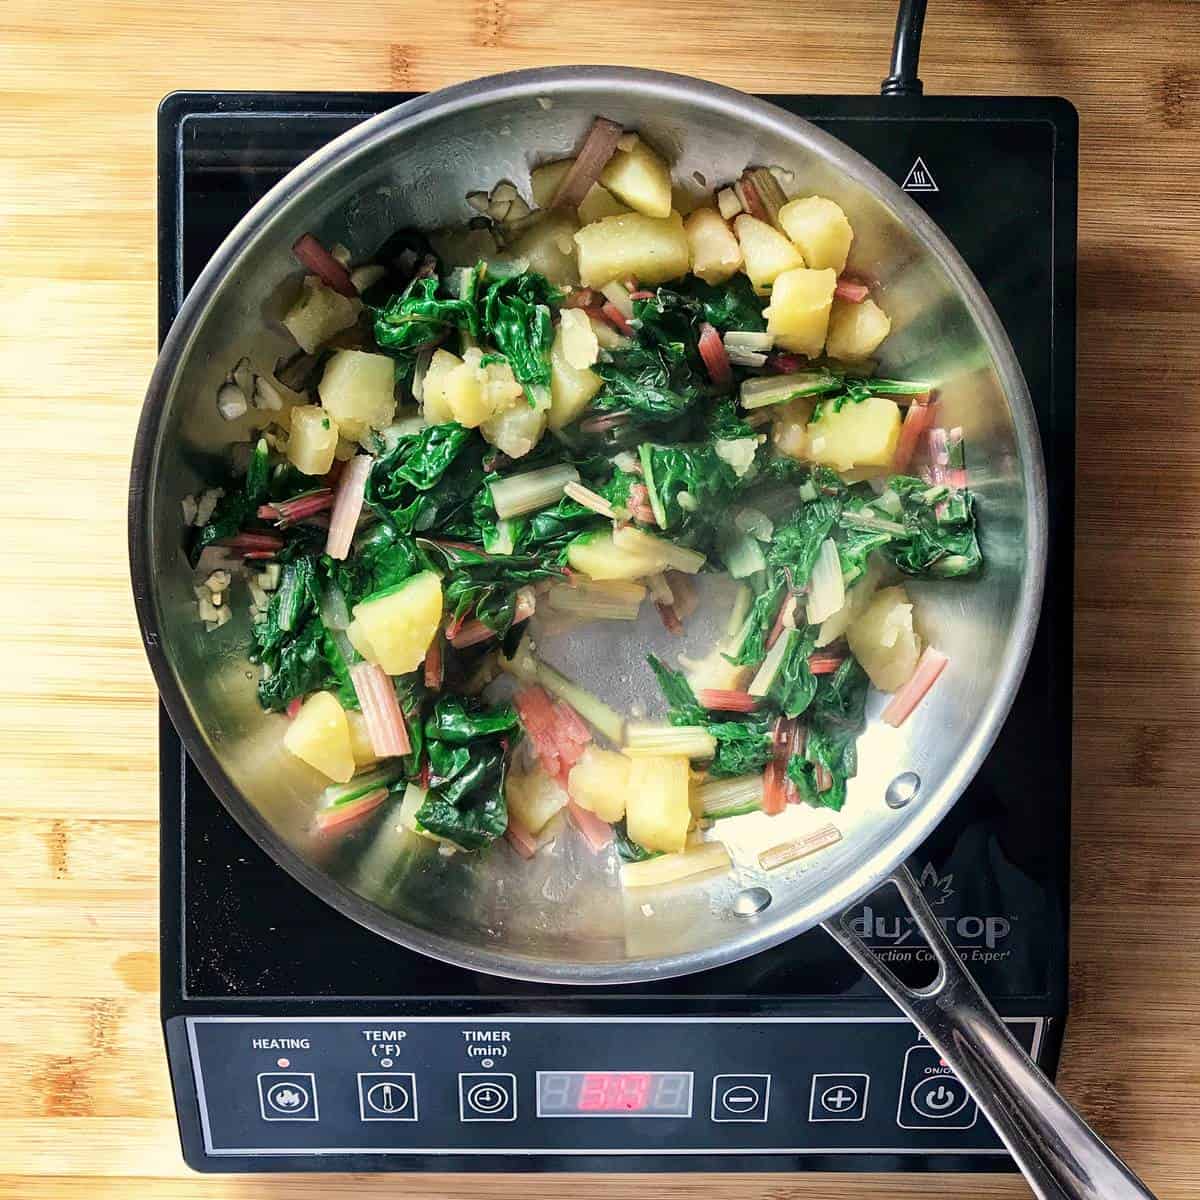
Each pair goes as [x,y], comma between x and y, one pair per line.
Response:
[85,1111]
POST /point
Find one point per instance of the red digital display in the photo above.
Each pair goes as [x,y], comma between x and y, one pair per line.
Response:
[614,1093]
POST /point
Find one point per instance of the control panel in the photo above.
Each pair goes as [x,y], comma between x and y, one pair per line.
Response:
[528,1086]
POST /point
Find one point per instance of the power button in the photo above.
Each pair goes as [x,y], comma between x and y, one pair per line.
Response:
[931,1095]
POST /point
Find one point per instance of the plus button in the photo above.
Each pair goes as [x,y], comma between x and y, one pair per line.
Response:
[839,1099]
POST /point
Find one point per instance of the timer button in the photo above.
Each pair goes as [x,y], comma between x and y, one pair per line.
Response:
[741,1097]
[487,1096]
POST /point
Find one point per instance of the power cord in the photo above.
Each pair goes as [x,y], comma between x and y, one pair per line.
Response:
[906,51]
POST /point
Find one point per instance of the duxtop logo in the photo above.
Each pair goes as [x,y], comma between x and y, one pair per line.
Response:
[977,938]
[937,888]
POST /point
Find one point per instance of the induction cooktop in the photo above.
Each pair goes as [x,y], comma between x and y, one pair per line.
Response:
[300,1041]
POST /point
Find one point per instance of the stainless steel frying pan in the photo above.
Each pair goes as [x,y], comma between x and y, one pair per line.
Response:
[563,918]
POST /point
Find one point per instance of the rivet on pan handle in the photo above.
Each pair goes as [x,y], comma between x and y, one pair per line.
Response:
[1058,1153]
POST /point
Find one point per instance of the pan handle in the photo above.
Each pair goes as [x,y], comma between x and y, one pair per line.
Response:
[1058,1153]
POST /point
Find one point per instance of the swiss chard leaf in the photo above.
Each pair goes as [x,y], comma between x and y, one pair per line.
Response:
[516,319]
[466,745]
[836,720]
[548,531]
[939,526]
[796,543]
[791,555]
[294,647]
[258,473]
[691,486]
[669,318]
[681,700]
[652,382]
[794,685]
[768,596]
[413,695]
[382,559]
[675,313]
[413,488]
[419,317]
[459,722]
[485,585]
[855,547]
[725,422]
[299,664]
[732,305]
[291,604]
[743,742]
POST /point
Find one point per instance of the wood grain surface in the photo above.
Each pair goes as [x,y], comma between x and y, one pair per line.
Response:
[85,1111]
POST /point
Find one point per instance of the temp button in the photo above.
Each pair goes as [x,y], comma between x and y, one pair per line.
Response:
[741,1097]
[387,1096]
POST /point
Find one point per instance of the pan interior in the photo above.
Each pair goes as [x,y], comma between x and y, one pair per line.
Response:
[563,916]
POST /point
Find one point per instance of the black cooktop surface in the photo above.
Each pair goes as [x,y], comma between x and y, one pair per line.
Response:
[239,935]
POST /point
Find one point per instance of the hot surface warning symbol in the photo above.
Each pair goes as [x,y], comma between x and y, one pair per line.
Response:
[918,178]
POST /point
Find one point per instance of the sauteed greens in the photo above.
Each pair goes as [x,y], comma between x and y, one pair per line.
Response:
[561,414]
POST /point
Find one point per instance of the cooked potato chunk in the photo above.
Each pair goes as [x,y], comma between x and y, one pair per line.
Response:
[320,735]
[882,638]
[715,252]
[360,740]
[862,434]
[599,202]
[819,227]
[639,178]
[571,388]
[394,629]
[516,430]
[319,313]
[856,601]
[549,247]
[434,403]
[599,782]
[580,346]
[534,798]
[544,180]
[358,390]
[313,439]
[766,251]
[657,812]
[632,244]
[798,314]
[715,671]
[466,395]
[475,393]
[595,556]
[855,330]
